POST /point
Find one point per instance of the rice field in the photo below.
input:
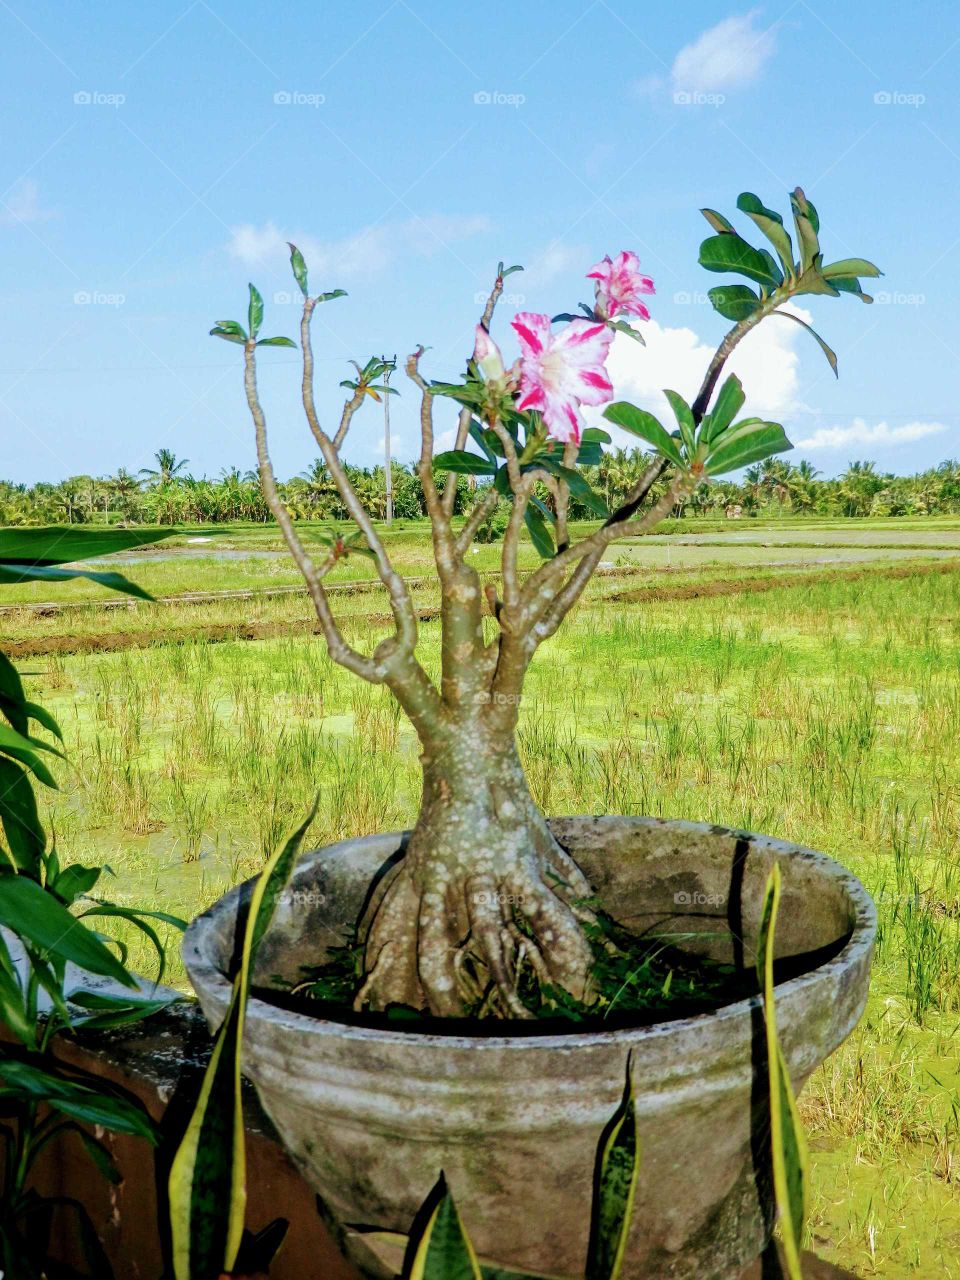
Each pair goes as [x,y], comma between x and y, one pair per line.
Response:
[813,696]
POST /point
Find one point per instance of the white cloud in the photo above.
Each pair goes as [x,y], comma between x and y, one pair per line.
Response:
[556,260]
[731,54]
[766,362]
[22,204]
[364,253]
[860,432]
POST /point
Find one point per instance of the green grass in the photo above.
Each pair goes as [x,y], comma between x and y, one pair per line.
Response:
[825,712]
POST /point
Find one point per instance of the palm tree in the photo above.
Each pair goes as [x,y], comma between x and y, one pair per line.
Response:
[168,464]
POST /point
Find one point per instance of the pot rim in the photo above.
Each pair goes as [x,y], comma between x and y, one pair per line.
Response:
[199,961]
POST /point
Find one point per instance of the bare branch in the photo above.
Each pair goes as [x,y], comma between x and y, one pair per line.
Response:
[463,424]
[401,603]
[340,651]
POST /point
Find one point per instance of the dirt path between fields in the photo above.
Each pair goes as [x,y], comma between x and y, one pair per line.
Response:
[214,633]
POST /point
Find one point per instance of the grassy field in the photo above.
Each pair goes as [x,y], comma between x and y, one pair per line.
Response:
[813,696]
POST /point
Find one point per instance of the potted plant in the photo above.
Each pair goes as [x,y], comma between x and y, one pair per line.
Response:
[476,1034]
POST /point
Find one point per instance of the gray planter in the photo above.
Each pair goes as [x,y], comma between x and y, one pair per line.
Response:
[371,1116]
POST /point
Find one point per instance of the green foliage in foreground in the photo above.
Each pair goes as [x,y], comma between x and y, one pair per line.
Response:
[48,910]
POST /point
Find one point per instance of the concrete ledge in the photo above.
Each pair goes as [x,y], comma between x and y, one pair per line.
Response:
[160,1061]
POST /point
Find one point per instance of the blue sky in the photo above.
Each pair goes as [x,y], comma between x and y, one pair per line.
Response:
[156,158]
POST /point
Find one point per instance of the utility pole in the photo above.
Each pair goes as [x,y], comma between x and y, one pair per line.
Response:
[387,462]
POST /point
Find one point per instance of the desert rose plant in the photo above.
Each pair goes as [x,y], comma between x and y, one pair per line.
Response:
[485,896]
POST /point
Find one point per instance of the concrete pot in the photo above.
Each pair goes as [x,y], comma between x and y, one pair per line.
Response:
[372,1115]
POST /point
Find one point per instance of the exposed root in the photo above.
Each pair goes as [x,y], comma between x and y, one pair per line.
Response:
[464,944]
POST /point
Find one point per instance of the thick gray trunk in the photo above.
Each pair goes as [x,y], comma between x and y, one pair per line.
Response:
[483,890]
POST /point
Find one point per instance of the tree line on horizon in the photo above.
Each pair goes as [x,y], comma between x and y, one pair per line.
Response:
[169,494]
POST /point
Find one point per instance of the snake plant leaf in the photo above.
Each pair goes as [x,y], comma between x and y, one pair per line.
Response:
[618,1164]
[733,301]
[207,1183]
[640,423]
[771,224]
[789,1152]
[827,351]
[441,1249]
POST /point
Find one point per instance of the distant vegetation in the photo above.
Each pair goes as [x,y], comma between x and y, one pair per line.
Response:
[169,494]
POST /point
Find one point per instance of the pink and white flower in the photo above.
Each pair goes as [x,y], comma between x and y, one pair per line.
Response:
[620,285]
[561,371]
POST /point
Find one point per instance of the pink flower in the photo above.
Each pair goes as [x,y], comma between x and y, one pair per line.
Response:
[560,372]
[619,286]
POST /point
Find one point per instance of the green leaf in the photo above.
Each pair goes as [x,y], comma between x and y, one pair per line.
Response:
[749,440]
[827,351]
[58,545]
[331,294]
[464,463]
[91,1104]
[640,423]
[138,918]
[733,301]
[207,1183]
[850,284]
[807,227]
[771,224]
[624,326]
[108,1012]
[13,1007]
[730,253]
[38,917]
[478,436]
[729,402]
[442,1250]
[618,1163]
[276,342]
[98,1152]
[789,1152]
[578,484]
[719,222]
[230,331]
[13,701]
[75,882]
[539,531]
[851,267]
[299,268]
[595,435]
[15,573]
[254,312]
[685,420]
[24,833]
